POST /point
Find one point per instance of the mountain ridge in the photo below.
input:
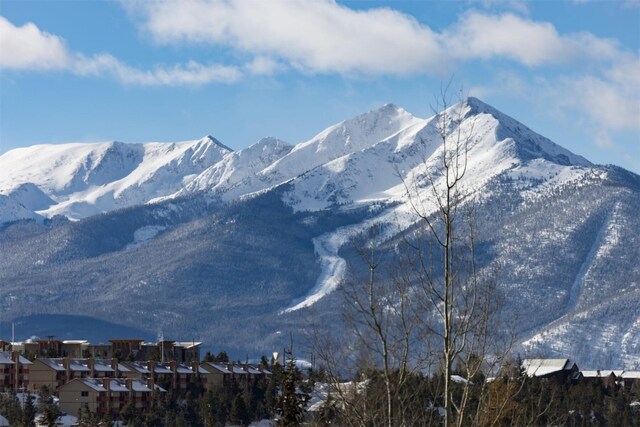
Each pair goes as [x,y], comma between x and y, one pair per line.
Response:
[226,225]
[84,179]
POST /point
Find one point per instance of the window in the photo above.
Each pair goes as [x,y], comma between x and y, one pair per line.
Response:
[84,393]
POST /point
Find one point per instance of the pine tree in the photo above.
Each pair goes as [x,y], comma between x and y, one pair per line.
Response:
[208,409]
[107,420]
[239,413]
[222,357]
[10,408]
[291,403]
[87,419]
[47,407]
[128,413]
[191,410]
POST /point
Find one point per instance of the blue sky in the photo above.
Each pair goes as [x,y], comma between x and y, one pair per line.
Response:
[79,71]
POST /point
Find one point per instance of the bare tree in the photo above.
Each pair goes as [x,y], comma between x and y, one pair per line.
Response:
[453,290]
[384,311]
[435,310]
[379,323]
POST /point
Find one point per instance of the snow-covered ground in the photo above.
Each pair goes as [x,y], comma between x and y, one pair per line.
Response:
[144,234]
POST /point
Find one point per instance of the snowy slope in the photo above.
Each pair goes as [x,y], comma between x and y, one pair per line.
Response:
[239,165]
[346,137]
[359,160]
[30,196]
[378,172]
[86,179]
[11,210]
[63,169]
[382,173]
[564,231]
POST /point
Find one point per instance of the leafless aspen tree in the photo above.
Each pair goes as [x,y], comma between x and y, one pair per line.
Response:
[453,291]
[427,307]
[379,321]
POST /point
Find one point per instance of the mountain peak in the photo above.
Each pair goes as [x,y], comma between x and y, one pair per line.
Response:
[469,107]
[391,107]
[211,140]
[528,144]
[271,140]
[387,110]
[477,106]
[267,147]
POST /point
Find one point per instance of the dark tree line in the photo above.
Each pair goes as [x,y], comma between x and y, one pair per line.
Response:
[511,399]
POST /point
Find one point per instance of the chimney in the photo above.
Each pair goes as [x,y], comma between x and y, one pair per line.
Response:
[128,382]
[66,363]
[151,384]
[15,356]
[173,365]
[106,383]
[114,366]
[230,367]
[91,364]
[151,366]
[195,367]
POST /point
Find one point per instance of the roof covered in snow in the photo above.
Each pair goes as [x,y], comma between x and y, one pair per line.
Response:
[95,384]
[5,358]
[542,367]
[216,367]
[161,369]
[187,344]
[134,366]
[604,373]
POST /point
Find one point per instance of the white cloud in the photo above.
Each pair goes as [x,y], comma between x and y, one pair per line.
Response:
[325,37]
[321,36]
[610,98]
[610,102]
[262,65]
[626,71]
[482,36]
[314,36]
[27,47]
[509,83]
[602,139]
[604,103]
[191,73]
[517,5]
[624,3]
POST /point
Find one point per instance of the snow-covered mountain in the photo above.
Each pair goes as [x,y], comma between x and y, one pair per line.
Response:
[226,225]
[30,196]
[79,180]
[12,210]
[379,172]
[238,166]
[339,140]
[360,160]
